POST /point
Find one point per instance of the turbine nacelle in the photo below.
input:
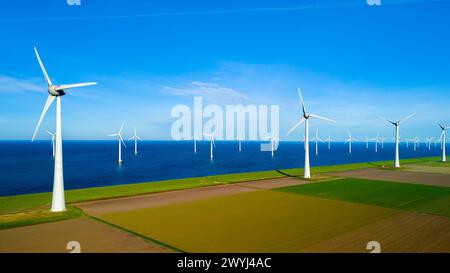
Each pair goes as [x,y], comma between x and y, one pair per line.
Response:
[55,91]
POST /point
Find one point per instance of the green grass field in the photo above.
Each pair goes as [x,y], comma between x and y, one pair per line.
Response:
[20,203]
[262,221]
[421,198]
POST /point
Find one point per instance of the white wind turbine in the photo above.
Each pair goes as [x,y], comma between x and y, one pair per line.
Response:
[239,138]
[366,139]
[135,138]
[317,139]
[443,140]
[305,119]
[416,143]
[120,141]
[55,92]
[273,140]
[428,140]
[382,142]
[329,139]
[212,144]
[376,140]
[397,137]
[349,140]
[194,138]
[53,142]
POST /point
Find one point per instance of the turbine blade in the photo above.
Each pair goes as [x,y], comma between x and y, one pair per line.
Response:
[121,139]
[295,126]
[121,127]
[319,117]
[49,82]
[49,101]
[74,85]
[112,135]
[408,117]
[301,100]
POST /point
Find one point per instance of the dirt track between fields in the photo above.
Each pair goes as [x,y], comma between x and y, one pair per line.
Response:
[101,207]
[436,179]
[92,236]
[406,232]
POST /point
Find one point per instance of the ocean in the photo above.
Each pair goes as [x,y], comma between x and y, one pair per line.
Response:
[28,167]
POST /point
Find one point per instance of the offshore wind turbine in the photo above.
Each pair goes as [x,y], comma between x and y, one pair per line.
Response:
[329,139]
[416,143]
[212,144]
[195,143]
[55,92]
[428,140]
[239,138]
[273,139]
[397,137]
[350,139]
[305,119]
[377,140]
[135,138]
[317,139]
[120,141]
[366,139]
[443,140]
[53,142]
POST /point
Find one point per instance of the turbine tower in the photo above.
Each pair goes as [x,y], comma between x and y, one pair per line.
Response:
[349,140]
[55,92]
[135,138]
[212,144]
[239,138]
[305,118]
[443,140]
[397,137]
[53,142]
[120,141]
[195,143]
[273,139]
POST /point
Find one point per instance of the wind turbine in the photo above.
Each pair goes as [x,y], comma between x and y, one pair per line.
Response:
[239,138]
[317,139]
[135,138]
[377,140]
[428,140]
[195,144]
[382,142]
[305,119]
[416,143]
[273,139]
[120,139]
[329,139]
[366,139]
[350,140]
[443,140]
[397,132]
[53,142]
[55,92]
[212,143]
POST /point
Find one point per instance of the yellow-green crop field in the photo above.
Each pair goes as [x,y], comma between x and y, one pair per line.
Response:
[261,221]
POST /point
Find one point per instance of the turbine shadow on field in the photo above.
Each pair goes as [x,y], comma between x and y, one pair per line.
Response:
[286,174]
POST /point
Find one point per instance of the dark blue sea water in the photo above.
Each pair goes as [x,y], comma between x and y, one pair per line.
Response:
[28,167]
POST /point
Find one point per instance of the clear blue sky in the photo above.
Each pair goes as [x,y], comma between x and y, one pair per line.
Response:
[354,63]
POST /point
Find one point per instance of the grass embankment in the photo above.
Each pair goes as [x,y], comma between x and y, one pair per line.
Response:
[20,203]
[414,197]
[37,217]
